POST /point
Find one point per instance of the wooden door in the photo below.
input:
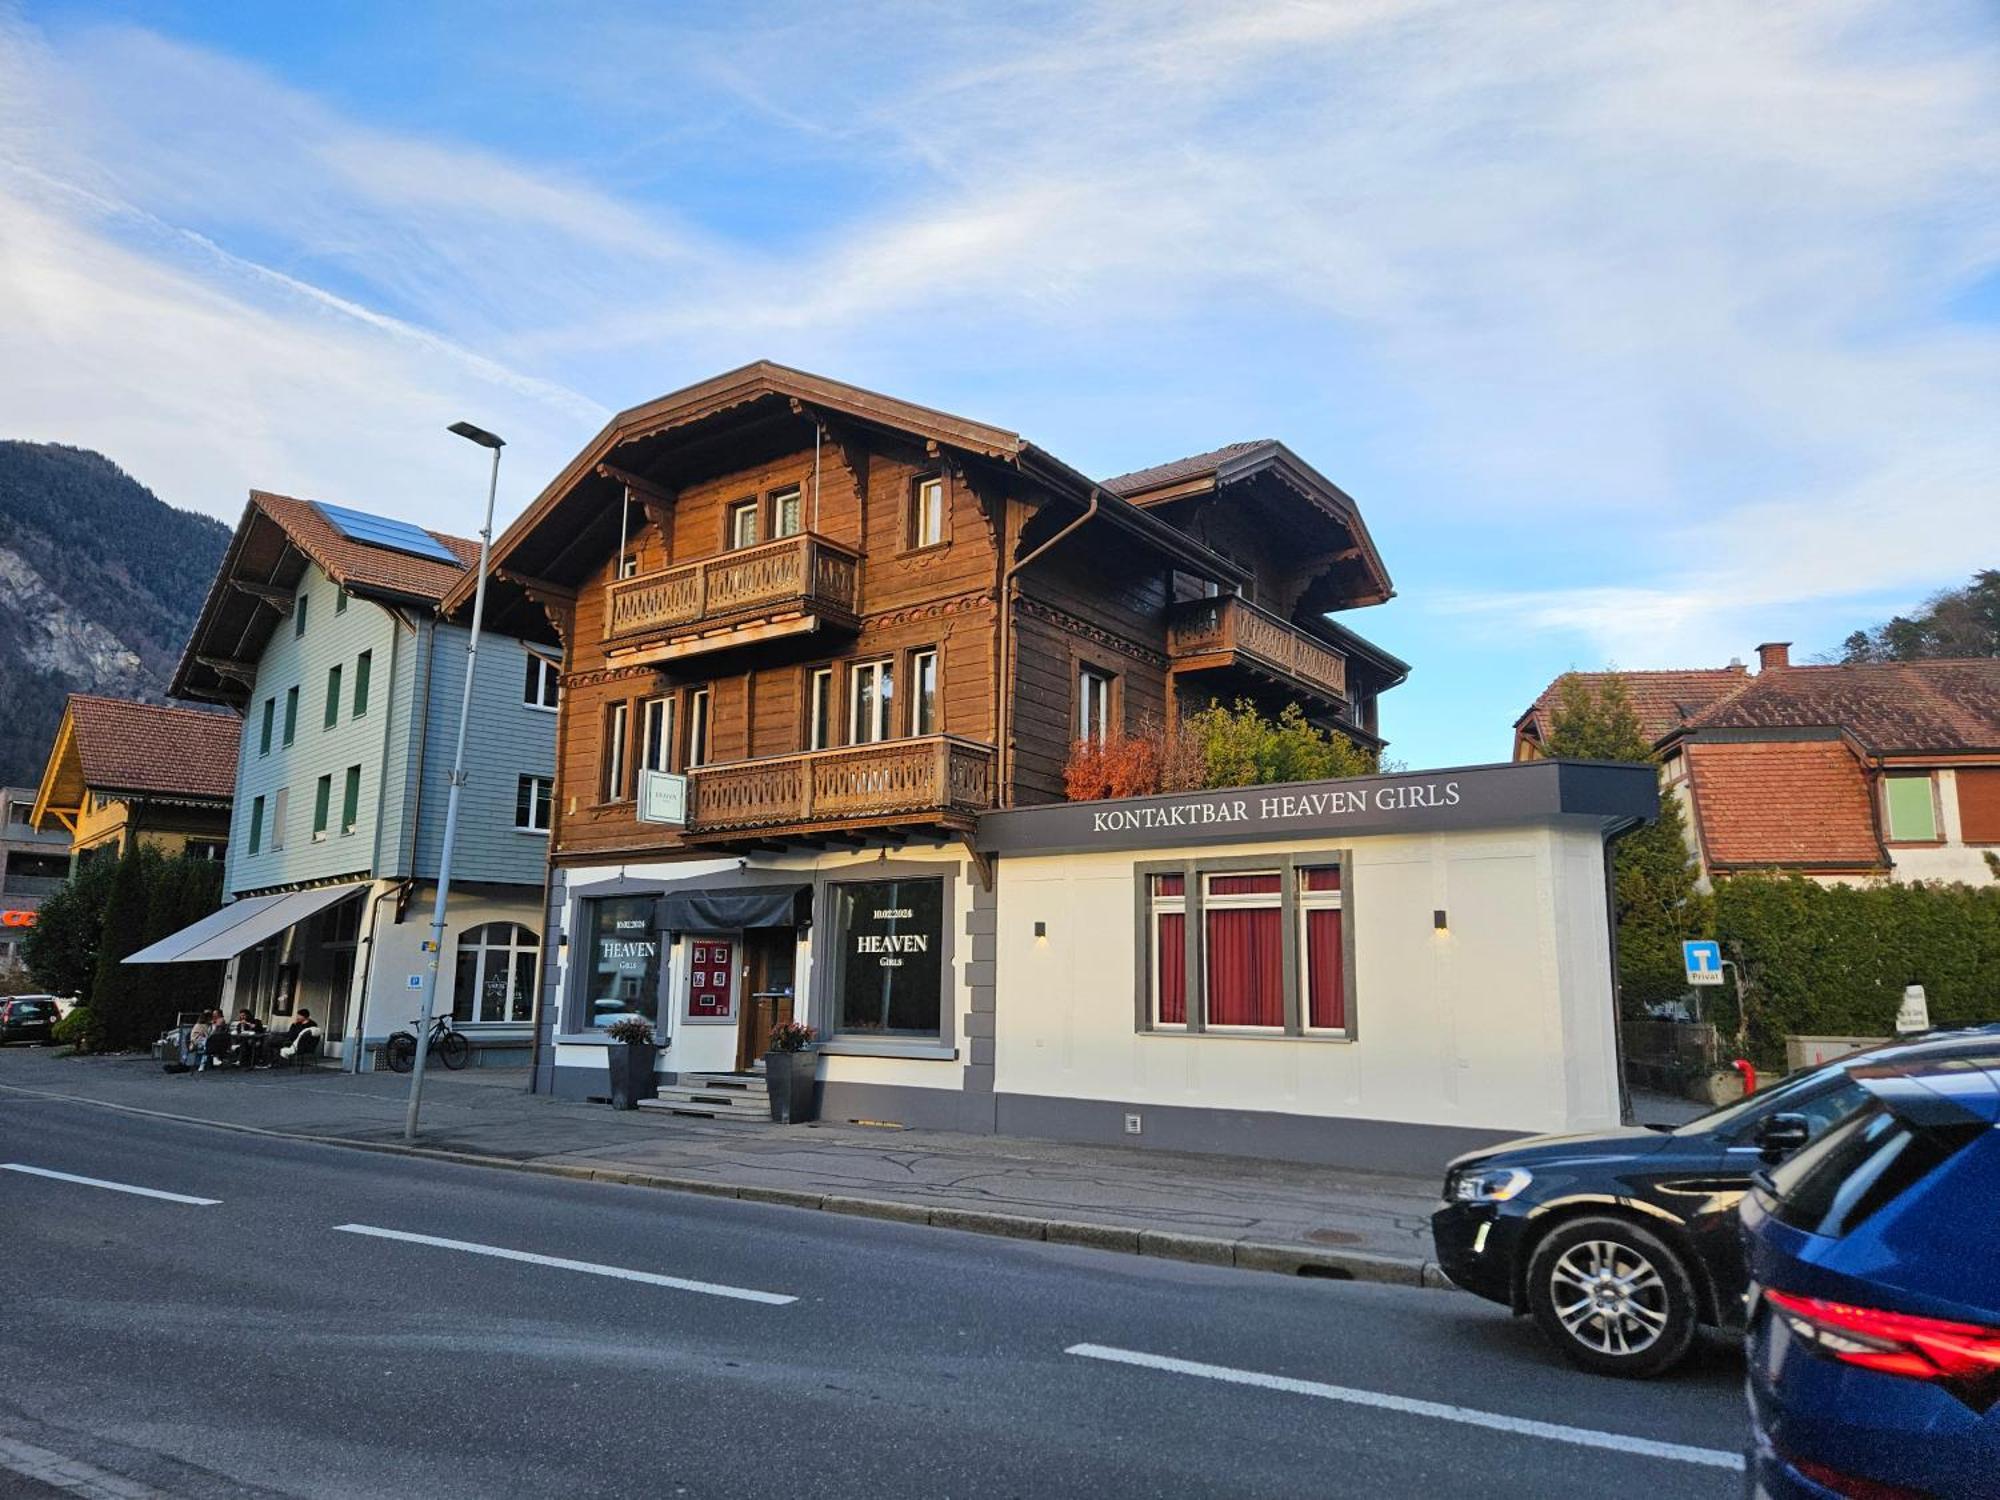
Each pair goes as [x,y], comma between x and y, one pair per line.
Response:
[770,954]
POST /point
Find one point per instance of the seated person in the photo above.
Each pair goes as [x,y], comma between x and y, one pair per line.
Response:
[295,1034]
[221,1040]
[248,1035]
[194,1051]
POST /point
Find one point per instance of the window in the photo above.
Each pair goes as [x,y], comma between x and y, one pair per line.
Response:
[291,714]
[332,697]
[819,708]
[299,614]
[544,683]
[617,725]
[787,513]
[1323,940]
[656,733]
[628,565]
[495,982]
[279,805]
[1243,940]
[743,524]
[340,602]
[209,849]
[888,964]
[621,965]
[364,667]
[697,747]
[1979,804]
[923,692]
[256,824]
[270,717]
[870,701]
[533,796]
[1167,937]
[322,805]
[927,512]
[350,801]
[1093,705]
[1912,809]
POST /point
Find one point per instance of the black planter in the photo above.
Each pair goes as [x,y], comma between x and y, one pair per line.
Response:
[632,1076]
[789,1076]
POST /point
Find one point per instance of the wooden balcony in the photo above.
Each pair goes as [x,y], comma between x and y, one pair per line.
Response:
[937,779]
[787,587]
[1203,634]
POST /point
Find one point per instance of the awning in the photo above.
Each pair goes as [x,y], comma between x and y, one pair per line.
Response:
[242,925]
[727,909]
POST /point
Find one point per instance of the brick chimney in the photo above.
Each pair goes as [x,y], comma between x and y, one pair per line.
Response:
[1774,656]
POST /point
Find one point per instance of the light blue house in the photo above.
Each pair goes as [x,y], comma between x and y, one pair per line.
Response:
[322,631]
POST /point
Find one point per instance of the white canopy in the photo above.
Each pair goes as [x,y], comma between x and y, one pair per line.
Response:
[242,924]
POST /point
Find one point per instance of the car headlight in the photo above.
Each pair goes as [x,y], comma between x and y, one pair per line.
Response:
[1492,1185]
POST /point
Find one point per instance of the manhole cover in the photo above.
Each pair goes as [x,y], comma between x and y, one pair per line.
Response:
[1333,1236]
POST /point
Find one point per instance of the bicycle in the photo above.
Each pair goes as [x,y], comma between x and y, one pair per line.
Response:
[447,1044]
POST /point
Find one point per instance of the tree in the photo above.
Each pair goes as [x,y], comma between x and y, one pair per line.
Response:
[1953,622]
[117,998]
[1654,872]
[61,948]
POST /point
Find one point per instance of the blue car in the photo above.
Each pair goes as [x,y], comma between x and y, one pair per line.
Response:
[1874,1304]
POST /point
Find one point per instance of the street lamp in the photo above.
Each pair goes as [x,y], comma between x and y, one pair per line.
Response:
[485,439]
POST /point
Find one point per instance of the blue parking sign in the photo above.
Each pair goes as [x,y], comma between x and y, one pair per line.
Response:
[1703,958]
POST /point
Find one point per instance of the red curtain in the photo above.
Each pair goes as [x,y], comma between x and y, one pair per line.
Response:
[1246,978]
[1173,968]
[1326,978]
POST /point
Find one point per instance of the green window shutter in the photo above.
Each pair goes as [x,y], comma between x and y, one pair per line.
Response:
[322,797]
[364,664]
[291,714]
[299,615]
[256,825]
[350,800]
[332,695]
[1912,812]
[270,717]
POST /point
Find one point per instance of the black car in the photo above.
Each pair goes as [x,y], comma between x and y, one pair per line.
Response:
[27,1018]
[1621,1242]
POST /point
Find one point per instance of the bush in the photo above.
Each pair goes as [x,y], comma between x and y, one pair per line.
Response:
[78,1029]
[151,897]
[1213,747]
[60,950]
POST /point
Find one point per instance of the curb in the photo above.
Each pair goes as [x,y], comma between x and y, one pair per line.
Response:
[1243,1255]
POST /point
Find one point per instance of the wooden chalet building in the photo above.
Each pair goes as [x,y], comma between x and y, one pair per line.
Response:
[854,624]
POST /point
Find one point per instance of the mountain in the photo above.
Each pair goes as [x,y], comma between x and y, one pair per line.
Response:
[100,583]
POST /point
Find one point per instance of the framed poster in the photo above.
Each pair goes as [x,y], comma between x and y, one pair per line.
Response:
[711,979]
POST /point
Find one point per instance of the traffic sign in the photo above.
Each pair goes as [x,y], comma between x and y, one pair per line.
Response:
[1703,958]
[1915,1014]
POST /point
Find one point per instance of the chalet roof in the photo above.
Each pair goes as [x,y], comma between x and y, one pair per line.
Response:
[1783,803]
[117,746]
[1888,708]
[1663,701]
[277,538]
[1194,465]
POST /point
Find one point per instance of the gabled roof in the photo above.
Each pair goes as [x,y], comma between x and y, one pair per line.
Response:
[117,746]
[1195,465]
[1888,708]
[275,541]
[1663,701]
[1783,803]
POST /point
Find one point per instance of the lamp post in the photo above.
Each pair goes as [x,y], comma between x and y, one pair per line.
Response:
[457,783]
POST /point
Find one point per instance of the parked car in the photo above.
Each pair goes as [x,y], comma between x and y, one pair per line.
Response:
[1874,1326]
[1622,1242]
[27,1018]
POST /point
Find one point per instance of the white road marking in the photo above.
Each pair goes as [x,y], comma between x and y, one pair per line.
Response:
[99,1182]
[589,1268]
[1582,1437]
[71,1475]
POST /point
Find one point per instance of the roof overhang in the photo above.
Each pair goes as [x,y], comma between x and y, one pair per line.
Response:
[60,792]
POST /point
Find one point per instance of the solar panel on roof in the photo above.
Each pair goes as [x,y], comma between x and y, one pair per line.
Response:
[381,531]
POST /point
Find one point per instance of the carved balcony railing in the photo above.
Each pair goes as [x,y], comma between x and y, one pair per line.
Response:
[801,576]
[937,775]
[1227,631]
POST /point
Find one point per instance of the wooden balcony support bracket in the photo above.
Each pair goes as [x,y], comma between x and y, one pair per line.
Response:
[645,489]
[848,445]
[265,593]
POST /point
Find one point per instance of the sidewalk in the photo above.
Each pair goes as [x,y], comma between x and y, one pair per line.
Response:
[1218,1210]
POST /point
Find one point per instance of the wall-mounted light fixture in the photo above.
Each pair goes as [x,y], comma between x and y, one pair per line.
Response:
[1041,929]
[1437,919]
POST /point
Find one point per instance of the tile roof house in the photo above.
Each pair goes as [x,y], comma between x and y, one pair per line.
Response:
[1662,700]
[120,769]
[1880,770]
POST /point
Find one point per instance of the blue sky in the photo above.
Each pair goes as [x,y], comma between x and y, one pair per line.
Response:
[1641,334]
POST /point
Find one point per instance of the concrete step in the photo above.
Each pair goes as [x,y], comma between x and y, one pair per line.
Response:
[703,1097]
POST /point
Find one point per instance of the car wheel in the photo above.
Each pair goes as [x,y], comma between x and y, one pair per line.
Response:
[1613,1296]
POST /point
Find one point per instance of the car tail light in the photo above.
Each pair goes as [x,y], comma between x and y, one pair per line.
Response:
[1964,1358]
[1853,1486]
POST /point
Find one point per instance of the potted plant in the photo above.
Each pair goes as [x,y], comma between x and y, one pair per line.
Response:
[631,1054]
[789,1071]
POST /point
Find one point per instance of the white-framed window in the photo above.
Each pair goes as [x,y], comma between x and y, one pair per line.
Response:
[543,688]
[656,733]
[871,693]
[927,512]
[819,708]
[1233,973]
[495,979]
[617,726]
[697,746]
[787,513]
[743,524]
[1093,704]
[1243,951]
[924,692]
[628,566]
[1166,939]
[1322,951]
[534,796]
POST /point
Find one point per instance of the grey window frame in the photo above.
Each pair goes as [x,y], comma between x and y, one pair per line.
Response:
[1287,863]
[823,1004]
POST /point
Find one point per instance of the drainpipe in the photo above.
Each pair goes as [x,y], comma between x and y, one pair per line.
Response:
[367,972]
[421,715]
[1002,699]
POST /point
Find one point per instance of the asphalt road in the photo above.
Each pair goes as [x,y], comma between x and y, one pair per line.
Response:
[340,1323]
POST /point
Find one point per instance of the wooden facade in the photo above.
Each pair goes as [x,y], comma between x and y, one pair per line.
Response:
[847,618]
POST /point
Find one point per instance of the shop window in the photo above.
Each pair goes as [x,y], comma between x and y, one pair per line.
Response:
[1093,704]
[533,798]
[291,715]
[1243,939]
[787,513]
[656,733]
[364,666]
[924,692]
[621,963]
[819,708]
[888,958]
[332,715]
[495,981]
[870,701]
[697,746]
[1911,808]
[927,512]
[743,524]
[544,684]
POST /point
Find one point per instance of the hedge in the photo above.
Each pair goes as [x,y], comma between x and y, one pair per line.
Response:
[1833,960]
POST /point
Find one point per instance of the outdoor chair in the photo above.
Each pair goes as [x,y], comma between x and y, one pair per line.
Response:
[305,1054]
